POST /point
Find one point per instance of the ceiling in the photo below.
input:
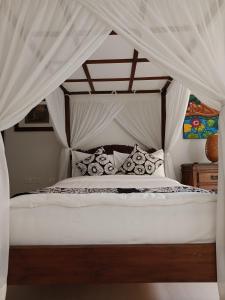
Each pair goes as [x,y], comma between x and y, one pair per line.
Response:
[116,67]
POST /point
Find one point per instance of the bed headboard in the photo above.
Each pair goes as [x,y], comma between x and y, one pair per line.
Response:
[119,148]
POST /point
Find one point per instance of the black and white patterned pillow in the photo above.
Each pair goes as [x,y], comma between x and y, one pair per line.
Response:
[97,164]
[140,162]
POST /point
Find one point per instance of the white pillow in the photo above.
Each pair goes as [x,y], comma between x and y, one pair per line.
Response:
[160,171]
[119,159]
[78,156]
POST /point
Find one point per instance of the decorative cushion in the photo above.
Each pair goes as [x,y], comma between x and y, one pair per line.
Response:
[76,157]
[140,162]
[119,159]
[97,164]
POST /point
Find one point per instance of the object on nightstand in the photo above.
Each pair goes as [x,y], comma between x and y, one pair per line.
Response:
[202,175]
[211,148]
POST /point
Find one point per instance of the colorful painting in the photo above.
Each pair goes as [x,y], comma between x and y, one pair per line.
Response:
[200,120]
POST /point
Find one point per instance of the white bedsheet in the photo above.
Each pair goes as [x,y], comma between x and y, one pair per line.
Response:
[40,219]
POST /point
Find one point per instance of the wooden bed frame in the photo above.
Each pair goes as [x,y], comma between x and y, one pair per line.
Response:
[112,263]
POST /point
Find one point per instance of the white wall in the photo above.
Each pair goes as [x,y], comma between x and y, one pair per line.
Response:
[188,151]
[32,159]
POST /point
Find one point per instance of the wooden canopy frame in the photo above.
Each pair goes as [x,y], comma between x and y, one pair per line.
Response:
[163,111]
[112,263]
[130,80]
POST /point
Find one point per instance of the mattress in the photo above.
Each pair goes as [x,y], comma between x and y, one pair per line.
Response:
[109,218]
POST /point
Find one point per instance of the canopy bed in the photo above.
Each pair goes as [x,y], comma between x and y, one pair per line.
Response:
[78,245]
[43,51]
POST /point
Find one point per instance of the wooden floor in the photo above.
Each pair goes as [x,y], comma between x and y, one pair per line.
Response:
[112,264]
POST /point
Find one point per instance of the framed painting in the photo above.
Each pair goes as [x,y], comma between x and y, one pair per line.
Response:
[200,120]
[37,119]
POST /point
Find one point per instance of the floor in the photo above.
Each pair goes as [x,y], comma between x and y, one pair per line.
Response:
[186,291]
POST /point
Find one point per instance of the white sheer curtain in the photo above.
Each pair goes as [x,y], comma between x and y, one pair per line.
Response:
[176,106]
[4,220]
[221,208]
[56,107]
[41,44]
[141,118]
[181,43]
[39,51]
[185,38]
[90,116]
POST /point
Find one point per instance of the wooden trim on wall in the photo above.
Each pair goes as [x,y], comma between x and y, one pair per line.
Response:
[166,86]
[117,92]
[29,129]
[120,79]
[86,71]
[115,61]
[133,69]
[65,91]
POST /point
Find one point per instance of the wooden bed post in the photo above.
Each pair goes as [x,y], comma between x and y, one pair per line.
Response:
[163,111]
[67,118]
[163,118]
[3,135]
[67,128]
[67,113]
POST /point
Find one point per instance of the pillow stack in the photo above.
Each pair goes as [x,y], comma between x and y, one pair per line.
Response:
[97,164]
[138,162]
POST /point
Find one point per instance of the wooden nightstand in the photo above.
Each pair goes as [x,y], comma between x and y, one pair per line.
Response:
[204,176]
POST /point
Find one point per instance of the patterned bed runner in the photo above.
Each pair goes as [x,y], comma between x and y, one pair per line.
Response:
[170,189]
